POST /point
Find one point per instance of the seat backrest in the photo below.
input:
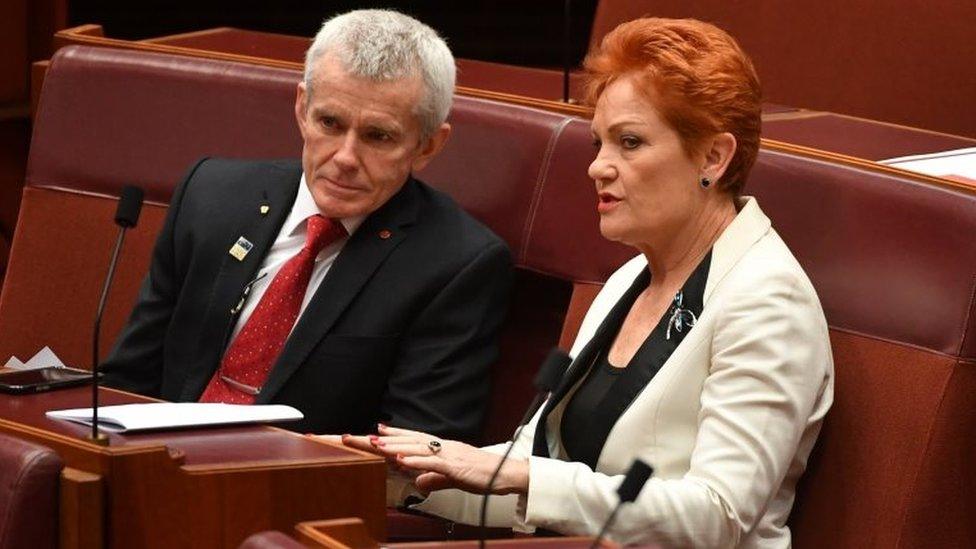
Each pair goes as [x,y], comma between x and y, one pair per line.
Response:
[28,494]
[894,263]
[872,59]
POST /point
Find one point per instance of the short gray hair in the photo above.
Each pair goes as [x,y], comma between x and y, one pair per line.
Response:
[386,45]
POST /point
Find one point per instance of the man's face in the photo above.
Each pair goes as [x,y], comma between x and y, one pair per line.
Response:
[362,138]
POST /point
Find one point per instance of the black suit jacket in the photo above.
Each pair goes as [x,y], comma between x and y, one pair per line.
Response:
[401,330]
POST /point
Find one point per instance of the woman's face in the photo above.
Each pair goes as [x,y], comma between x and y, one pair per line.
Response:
[647,186]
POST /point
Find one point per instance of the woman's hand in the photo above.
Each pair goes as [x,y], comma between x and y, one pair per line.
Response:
[439,464]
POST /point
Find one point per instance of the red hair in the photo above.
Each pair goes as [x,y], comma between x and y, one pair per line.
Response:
[696,75]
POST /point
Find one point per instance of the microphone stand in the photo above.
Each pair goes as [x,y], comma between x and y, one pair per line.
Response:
[126,216]
[550,373]
[629,488]
[97,437]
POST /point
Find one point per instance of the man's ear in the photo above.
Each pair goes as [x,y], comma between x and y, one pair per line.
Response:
[301,106]
[433,146]
[718,155]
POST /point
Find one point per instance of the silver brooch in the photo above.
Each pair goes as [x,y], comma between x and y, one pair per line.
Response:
[681,317]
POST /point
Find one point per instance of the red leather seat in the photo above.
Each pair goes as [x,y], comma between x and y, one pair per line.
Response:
[29,476]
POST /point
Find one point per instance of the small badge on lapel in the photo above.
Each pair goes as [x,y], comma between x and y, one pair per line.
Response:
[240,248]
[264,209]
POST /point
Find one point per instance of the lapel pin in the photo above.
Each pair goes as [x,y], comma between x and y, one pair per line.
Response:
[240,248]
[265,209]
[385,233]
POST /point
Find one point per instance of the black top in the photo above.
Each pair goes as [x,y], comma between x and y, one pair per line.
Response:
[607,391]
[577,414]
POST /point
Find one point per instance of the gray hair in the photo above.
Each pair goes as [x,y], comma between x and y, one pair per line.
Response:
[385,45]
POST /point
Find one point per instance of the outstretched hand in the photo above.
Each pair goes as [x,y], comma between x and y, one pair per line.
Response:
[438,464]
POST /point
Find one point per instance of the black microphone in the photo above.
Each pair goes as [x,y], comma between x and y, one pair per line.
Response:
[633,482]
[126,217]
[130,205]
[550,373]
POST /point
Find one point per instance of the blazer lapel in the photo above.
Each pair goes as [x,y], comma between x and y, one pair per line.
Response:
[749,225]
[260,230]
[365,251]
[601,338]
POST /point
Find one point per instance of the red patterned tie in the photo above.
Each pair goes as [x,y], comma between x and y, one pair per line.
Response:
[249,358]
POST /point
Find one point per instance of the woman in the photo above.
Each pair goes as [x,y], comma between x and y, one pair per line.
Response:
[707,355]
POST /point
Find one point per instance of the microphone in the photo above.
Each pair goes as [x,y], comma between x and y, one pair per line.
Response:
[634,480]
[550,373]
[126,217]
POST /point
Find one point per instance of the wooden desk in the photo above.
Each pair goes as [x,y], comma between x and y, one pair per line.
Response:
[193,488]
[351,533]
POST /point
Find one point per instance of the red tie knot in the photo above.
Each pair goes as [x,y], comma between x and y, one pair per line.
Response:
[322,231]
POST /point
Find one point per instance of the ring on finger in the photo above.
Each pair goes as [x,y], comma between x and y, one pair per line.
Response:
[434,446]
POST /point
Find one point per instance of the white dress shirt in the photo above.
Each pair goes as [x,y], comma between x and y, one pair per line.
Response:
[290,240]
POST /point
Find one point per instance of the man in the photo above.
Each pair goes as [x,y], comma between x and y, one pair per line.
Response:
[341,286]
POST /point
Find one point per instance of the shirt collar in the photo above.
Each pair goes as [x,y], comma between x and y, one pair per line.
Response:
[304,207]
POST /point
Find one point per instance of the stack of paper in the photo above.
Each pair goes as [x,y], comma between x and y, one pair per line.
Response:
[169,415]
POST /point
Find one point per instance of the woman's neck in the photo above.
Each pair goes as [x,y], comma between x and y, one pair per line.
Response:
[671,262]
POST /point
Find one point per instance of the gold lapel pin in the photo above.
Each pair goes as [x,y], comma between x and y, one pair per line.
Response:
[385,233]
[240,248]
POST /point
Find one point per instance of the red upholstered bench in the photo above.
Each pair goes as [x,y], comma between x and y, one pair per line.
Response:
[891,255]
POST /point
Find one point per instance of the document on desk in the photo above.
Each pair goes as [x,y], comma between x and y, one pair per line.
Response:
[154,416]
[958,165]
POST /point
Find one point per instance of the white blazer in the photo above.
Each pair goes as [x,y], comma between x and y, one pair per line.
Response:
[727,423]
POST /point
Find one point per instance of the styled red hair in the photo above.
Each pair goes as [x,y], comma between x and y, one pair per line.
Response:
[696,75]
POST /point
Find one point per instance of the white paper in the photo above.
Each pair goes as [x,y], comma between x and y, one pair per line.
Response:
[169,415]
[14,363]
[958,162]
[44,358]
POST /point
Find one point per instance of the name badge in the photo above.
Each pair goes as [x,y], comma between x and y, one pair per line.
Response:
[240,248]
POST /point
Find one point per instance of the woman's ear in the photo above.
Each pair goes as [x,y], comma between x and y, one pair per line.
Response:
[718,154]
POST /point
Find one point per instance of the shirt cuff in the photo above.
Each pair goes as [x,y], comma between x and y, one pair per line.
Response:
[398,489]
